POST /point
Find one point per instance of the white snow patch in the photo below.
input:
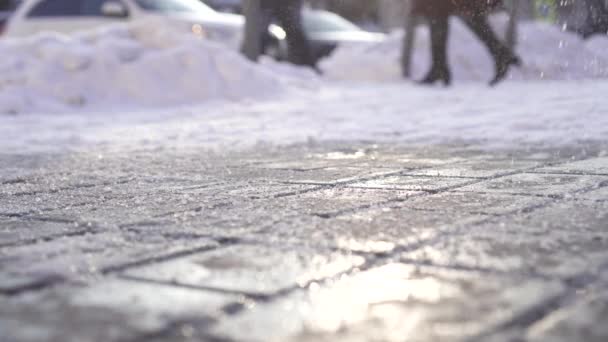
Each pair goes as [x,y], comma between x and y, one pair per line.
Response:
[141,65]
[547,53]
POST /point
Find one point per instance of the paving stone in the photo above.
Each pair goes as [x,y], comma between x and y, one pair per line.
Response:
[337,153]
[14,168]
[330,201]
[403,227]
[537,184]
[48,182]
[600,194]
[80,257]
[414,183]
[583,320]
[581,218]
[11,282]
[15,231]
[240,209]
[252,269]
[14,175]
[399,160]
[395,302]
[311,163]
[248,190]
[472,202]
[214,225]
[183,194]
[562,245]
[141,205]
[334,175]
[39,203]
[323,176]
[587,166]
[110,310]
[478,168]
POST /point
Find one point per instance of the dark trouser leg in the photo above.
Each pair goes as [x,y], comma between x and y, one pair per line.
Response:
[481,27]
[440,70]
[439,42]
[502,55]
[289,15]
[256,24]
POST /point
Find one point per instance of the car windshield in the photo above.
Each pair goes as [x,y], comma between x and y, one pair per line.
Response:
[320,21]
[170,6]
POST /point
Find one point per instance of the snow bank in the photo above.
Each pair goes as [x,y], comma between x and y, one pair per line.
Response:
[547,53]
[146,64]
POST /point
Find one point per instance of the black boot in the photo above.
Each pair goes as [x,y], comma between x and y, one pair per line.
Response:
[503,64]
[439,41]
[442,75]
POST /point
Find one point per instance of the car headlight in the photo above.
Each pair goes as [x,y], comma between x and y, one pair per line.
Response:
[277,31]
[198,31]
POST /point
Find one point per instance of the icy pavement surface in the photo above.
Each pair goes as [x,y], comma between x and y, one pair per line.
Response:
[312,242]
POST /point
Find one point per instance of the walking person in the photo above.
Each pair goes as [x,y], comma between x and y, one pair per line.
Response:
[260,14]
[474,14]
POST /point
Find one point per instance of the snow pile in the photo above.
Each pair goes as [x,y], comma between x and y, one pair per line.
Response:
[547,53]
[146,64]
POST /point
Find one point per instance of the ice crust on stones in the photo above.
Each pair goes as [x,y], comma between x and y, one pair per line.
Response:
[547,53]
[145,64]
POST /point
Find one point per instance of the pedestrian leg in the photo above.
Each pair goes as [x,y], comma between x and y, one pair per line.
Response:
[440,70]
[503,56]
[256,23]
[408,45]
[289,14]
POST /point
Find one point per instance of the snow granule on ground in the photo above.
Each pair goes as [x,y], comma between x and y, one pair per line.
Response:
[142,65]
[548,53]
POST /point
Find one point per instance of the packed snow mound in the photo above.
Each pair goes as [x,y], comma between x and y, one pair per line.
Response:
[145,64]
[547,53]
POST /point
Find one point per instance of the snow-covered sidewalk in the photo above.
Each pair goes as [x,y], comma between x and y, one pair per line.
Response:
[516,113]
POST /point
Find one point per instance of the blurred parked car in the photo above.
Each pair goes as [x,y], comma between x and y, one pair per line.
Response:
[67,16]
[4,15]
[7,8]
[327,30]
[232,6]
